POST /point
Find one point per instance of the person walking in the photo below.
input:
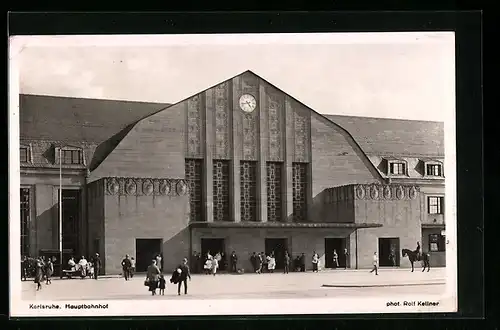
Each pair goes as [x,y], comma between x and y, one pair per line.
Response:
[126,264]
[152,277]
[253,261]
[234,262]
[215,265]
[159,261]
[302,262]
[259,262]
[132,267]
[335,259]
[315,262]
[346,257]
[286,262]
[161,284]
[375,263]
[97,265]
[39,274]
[271,263]
[183,276]
[49,271]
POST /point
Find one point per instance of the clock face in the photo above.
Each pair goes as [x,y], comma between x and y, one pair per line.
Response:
[248,103]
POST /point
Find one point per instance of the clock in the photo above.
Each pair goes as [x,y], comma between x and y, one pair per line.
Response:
[248,103]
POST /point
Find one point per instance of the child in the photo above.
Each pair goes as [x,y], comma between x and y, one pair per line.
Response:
[161,285]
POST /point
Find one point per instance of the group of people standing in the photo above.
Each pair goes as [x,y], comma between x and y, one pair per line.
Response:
[155,278]
[263,263]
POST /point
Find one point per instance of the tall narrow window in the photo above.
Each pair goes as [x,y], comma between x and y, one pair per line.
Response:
[194,175]
[25,221]
[299,184]
[435,205]
[221,190]
[248,184]
[274,198]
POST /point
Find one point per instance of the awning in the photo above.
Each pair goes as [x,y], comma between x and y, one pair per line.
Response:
[282,225]
[433,226]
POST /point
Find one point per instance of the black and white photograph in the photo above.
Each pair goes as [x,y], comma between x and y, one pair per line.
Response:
[232,174]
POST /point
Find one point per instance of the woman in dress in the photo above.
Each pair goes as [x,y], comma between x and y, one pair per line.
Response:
[39,274]
[271,263]
[49,271]
[152,277]
[315,262]
[335,259]
[215,265]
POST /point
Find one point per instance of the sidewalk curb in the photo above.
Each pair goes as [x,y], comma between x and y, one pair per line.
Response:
[380,285]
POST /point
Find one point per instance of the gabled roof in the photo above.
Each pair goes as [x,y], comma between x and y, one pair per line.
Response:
[395,137]
[99,125]
[70,119]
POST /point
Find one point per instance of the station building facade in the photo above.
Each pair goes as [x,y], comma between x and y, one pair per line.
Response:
[241,166]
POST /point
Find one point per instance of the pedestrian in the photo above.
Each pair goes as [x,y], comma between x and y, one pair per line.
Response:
[152,277]
[346,257]
[49,271]
[159,261]
[286,262]
[132,267]
[335,259]
[258,263]
[302,262]
[271,263]
[161,284]
[183,276]
[215,265]
[264,262]
[234,262]
[39,274]
[315,262]
[97,265]
[126,264]
[253,261]
[375,263]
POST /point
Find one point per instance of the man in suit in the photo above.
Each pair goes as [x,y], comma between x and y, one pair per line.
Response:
[183,276]
[97,265]
[126,265]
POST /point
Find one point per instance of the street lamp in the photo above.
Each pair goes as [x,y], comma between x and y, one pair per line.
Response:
[60,216]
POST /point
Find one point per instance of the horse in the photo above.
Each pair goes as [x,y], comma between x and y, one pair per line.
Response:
[412,256]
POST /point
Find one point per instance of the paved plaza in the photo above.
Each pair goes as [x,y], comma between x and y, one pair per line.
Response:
[347,283]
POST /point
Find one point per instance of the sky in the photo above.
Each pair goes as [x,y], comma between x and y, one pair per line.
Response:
[388,75]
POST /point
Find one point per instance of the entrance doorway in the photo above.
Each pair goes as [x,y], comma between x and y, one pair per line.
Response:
[214,246]
[388,252]
[337,244]
[71,221]
[145,250]
[278,246]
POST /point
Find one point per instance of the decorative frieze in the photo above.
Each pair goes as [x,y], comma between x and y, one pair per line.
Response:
[274,122]
[145,187]
[372,192]
[194,127]
[221,121]
[301,133]
[250,136]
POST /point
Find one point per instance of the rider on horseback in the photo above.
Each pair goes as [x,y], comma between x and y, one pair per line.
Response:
[417,252]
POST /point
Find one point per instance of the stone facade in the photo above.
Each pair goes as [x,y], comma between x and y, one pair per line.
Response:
[284,162]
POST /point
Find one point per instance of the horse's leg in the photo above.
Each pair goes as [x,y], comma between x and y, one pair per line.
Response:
[411,265]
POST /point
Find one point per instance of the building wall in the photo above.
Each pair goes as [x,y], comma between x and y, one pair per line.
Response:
[45,210]
[435,219]
[397,209]
[154,148]
[96,212]
[437,259]
[245,241]
[131,215]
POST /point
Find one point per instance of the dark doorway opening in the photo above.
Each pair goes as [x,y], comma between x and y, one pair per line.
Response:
[214,246]
[278,246]
[337,244]
[146,250]
[388,252]
[71,222]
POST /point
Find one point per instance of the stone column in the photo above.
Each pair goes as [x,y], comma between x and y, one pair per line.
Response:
[208,109]
[236,146]
[262,158]
[288,164]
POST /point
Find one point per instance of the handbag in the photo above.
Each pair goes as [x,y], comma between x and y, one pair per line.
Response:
[146,282]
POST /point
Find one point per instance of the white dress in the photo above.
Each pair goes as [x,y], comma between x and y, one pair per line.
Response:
[271,263]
